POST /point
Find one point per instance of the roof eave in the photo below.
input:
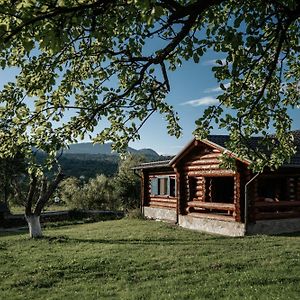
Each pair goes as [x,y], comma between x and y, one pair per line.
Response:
[152,165]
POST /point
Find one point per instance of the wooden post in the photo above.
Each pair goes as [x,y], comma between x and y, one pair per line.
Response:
[145,188]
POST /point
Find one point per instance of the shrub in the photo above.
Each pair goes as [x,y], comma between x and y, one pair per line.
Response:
[134,214]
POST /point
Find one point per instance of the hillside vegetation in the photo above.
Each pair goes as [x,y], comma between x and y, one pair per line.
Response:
[89,160]
[135,259]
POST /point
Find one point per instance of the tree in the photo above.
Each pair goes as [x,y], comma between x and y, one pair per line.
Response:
[69,192]
[84,61]
[32,184]
[40,189]
[127,184]
[97,193]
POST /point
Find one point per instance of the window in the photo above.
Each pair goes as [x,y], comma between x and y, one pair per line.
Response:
[164,186]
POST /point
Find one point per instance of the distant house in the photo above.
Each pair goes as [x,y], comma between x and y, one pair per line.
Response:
[192,190]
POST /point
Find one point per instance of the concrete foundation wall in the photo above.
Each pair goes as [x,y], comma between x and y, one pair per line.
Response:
[228,228]
[212,226]
[160,213]
[274,226]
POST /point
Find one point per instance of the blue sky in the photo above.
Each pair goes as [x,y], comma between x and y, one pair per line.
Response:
[193,88]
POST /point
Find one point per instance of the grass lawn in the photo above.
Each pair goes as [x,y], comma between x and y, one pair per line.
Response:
[136,259]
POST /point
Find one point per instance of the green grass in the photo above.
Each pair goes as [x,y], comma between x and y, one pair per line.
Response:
[137,259]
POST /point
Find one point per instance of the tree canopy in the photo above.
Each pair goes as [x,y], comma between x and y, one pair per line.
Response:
[83,62]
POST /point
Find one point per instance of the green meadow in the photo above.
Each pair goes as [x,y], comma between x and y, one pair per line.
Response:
[138,259]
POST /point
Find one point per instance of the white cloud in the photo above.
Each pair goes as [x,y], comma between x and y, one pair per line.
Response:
[201,101]
[216,89]
[212,62]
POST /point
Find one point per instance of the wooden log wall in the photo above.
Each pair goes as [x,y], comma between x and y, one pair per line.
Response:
[161,201]
[199,187]
[297,189]
[293,188]
[199,166]
[205,164]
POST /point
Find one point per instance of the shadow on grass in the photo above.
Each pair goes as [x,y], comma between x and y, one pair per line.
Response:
[13,231]
[146,241]
[290,234]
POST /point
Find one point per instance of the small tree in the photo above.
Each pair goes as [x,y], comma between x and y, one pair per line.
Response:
[97,193]
[70,192]
[127,184]
[33,183]
[39,192]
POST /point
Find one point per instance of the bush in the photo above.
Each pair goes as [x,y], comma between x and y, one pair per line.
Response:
[97,193]
[128,184]
[135,214]
[119,193]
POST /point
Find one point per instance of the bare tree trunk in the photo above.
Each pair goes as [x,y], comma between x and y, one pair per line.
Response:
[46,191]
[34,225]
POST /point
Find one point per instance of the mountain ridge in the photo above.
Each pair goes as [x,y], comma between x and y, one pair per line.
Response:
[93,149]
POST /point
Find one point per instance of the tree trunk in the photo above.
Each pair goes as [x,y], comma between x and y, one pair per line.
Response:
[34,225]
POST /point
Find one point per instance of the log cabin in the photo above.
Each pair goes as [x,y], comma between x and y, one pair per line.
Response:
[193,191]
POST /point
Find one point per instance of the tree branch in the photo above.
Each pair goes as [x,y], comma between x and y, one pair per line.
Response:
[47,193]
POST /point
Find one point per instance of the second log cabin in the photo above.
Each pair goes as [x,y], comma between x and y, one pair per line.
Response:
[193,191]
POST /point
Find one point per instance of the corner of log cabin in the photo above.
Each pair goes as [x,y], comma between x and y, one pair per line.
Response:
[205,190]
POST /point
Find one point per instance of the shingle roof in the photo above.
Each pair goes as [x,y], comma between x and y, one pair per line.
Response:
[221,140]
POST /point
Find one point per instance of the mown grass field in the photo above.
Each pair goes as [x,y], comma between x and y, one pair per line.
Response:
[136,259]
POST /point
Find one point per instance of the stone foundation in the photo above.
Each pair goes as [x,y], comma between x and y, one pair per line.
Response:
[160,214]
[274,226]
[228,228]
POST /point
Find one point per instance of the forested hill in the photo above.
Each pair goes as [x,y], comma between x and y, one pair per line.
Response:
[86,159]
[89,148]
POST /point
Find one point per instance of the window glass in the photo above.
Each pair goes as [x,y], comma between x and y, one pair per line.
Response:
[154,186]
[163,186]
